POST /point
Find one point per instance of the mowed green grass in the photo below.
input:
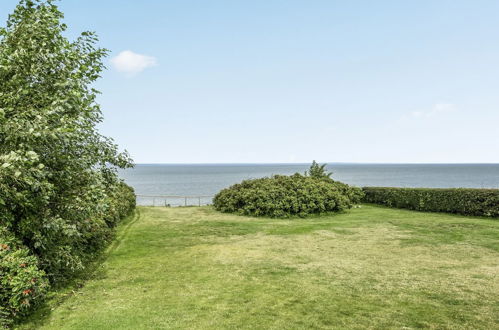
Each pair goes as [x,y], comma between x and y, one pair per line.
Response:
[371,267]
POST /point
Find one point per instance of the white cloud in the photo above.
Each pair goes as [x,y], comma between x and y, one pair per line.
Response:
[132,63]
[437,108]
[417,114]
[443,107]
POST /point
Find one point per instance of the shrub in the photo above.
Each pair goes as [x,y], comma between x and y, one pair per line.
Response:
[480,202]
[283,196]
[121,202]
[318,171]
[22,284]
[60,194]
[59,190]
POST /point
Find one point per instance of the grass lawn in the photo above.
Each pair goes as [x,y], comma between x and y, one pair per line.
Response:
[372,267]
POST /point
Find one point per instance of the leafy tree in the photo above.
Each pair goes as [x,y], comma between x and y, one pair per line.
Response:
[56,170]
[318,171]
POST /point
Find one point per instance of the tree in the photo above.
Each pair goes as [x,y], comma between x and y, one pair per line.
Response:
[318,171]
[56,170]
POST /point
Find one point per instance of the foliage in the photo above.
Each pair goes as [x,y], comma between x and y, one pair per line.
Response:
[59,190]
[22,283]
[318,171]
[283,196]
[121,201]
[481,202]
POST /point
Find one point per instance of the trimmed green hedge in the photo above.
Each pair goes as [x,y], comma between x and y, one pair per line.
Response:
[480,202]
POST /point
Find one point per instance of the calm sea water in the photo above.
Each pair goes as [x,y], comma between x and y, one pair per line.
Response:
[195,180]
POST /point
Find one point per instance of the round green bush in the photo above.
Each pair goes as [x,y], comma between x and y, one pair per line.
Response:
[283,196]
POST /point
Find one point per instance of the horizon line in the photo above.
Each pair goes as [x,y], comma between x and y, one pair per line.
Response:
[328,163]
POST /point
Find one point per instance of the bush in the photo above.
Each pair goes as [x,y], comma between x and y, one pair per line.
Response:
[60,194]
[121,203]
[23,281]
[480,202]
[59,190]
[284,196]
[22,284]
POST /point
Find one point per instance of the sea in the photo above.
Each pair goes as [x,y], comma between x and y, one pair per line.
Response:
[196,184]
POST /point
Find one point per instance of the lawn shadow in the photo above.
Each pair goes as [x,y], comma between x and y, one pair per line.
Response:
[93,271]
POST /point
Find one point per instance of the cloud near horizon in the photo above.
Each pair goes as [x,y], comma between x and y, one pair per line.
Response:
[438,108]
[132,63]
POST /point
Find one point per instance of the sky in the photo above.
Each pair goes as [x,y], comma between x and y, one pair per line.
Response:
[269,81]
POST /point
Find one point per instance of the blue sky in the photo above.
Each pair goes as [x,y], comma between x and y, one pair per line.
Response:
[291,81]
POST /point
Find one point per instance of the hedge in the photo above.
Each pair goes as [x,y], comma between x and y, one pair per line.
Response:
[477,202]
[283,196]
[60,194]
[24,280]
[22,284]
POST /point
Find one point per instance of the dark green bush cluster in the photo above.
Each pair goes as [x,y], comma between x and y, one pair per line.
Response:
[30,258]
[284,196]
[121,201]
[481,202]
[22,283]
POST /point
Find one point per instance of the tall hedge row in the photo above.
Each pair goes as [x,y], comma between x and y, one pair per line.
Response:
[26,275]
[60,195]
[479,202]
